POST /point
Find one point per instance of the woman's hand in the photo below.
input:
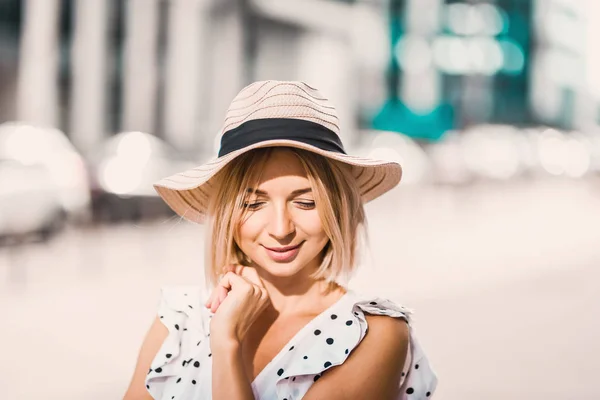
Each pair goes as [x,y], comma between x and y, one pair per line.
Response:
[237,301]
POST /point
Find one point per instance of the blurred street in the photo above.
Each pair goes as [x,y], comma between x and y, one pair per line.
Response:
[503,278]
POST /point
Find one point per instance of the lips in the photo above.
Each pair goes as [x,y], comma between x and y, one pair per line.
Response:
[282,249]
[283,254]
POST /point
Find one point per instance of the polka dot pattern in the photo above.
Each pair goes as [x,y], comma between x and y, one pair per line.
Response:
[183,366]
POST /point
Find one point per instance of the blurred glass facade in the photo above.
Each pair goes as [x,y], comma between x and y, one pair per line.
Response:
[508,62]
[419,67]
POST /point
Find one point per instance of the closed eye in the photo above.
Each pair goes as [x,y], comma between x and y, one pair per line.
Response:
[306,204]
[254,206]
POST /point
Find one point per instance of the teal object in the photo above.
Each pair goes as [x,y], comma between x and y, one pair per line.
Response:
[396,117]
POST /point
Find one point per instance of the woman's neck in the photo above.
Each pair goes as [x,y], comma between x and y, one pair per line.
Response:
[301,296]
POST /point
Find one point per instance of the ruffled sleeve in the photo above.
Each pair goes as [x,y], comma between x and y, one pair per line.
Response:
[180,310]
[418,380]
[332,338]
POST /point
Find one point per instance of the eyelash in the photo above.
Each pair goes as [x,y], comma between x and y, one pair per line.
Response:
[255,206]
[307,204]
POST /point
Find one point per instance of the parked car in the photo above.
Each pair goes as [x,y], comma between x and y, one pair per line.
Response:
[559,153]
[123,171]
[495,152]
[50,148]
[395,146]
[30,201]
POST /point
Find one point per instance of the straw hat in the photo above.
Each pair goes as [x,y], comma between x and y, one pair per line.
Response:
[275,113]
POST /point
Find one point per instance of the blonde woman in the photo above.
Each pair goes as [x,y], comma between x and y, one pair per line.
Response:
[283,204]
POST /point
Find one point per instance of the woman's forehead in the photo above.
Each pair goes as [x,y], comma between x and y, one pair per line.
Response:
[282,184]
[282,163]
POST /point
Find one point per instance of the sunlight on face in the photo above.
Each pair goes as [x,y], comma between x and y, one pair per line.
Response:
[282,233]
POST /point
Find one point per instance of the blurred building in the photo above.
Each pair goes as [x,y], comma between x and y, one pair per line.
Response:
[560,81]
[170,67]
[455,63]
[94,68]
[10,17]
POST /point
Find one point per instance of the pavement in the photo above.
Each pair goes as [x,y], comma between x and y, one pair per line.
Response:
[504,279]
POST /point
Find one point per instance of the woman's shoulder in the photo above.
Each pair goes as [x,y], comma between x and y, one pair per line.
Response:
[419,379]
[333,337]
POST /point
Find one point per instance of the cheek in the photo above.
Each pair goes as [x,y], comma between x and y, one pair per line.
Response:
[311,224]
[250,229]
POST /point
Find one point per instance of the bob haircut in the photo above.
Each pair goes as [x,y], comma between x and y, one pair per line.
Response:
[337,200]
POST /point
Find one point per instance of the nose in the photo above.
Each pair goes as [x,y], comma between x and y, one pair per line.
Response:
[281,225]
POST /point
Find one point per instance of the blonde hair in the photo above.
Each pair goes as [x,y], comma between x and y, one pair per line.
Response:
[337,200]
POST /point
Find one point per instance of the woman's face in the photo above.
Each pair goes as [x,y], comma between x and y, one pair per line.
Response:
[282,232]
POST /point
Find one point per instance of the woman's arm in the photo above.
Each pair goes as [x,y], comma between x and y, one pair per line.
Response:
[374,368]
[240,298]
[152,343]
[229,380]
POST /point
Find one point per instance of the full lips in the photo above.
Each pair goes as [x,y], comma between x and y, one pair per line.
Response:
[284,256]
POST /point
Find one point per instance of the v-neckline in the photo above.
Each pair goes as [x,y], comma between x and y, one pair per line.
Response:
[295,338]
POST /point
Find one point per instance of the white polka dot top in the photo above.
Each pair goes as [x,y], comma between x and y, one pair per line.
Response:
[182,367]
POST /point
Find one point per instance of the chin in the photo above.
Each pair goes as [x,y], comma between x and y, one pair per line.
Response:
[281,270]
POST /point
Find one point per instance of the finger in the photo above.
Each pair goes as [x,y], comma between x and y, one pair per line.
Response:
[228,268]
[215,302]
[232,281]
[216,298]
[208,301]
[220,294]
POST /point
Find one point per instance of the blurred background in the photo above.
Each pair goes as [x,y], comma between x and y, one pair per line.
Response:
[492,106]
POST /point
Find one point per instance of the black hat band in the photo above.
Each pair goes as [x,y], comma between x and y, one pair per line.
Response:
[299,130]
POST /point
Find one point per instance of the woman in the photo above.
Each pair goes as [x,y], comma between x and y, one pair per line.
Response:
[284,206]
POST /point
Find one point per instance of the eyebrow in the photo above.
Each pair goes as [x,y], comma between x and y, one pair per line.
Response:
[294,193]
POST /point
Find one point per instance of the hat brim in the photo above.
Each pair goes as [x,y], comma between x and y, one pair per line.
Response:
[187,193]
